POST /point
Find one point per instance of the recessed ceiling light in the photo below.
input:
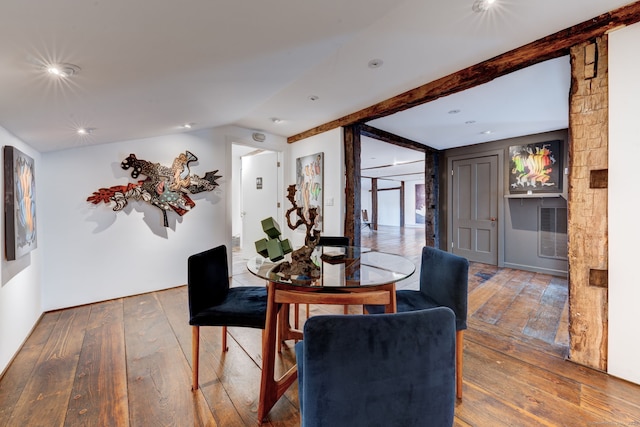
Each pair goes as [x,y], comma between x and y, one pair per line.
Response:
[375,63]
[313,97]
[85,131]
[487,132]
[482,5]
[188,125]
[469,122]
[456,111]
[63,70]
[276,120]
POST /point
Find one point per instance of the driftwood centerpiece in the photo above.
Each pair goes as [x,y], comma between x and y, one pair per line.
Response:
[301,265]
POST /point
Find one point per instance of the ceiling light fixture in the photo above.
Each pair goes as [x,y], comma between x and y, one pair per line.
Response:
[482,5]
[85,131]
[276,120]
[313,97]
[456,111]
[469,122]
[188,125]
[62,70]
[487,132]
[375,63]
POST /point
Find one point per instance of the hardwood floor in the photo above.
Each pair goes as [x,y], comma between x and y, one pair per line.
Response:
[126,362]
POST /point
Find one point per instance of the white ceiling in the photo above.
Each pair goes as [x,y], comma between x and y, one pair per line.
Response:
[149,66]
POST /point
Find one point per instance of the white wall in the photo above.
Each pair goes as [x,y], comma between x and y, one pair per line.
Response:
[330,143]
[20,290]
[624,204]
[410,203]
[94,253]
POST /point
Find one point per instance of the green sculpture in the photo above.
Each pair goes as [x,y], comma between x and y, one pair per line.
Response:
[272,248]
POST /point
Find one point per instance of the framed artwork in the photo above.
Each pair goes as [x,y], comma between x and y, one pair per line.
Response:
[535,168]
[310,185]
[421,208]
[19,203]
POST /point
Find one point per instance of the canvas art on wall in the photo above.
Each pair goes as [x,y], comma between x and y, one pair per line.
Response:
[310,185]
[19,203]
[535,168]
[421,207]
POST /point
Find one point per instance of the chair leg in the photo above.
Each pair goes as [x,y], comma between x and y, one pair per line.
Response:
[308,311]
[459,351]
[195,355]
[296,315]
[224,339]
[346,309]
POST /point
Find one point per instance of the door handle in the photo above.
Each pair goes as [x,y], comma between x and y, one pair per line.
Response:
[493,219]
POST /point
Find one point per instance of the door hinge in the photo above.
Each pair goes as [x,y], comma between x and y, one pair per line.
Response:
[278,204]
[451,172]
[278,164]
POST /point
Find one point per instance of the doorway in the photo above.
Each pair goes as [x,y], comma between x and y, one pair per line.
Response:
[474,213]
[255,197]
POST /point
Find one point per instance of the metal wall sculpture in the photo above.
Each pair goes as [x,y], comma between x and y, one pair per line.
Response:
[164,187]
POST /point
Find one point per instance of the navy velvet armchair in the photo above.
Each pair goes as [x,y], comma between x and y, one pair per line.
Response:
[443,282]
[378,370]
[213,303]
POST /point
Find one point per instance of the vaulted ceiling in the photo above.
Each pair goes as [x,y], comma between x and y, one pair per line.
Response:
[145,67]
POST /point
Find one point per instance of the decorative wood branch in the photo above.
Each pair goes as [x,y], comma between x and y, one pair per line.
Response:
[301,265]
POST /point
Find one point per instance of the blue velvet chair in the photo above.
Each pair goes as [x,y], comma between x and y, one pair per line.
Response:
[378,370]
[213,303]
[443,282]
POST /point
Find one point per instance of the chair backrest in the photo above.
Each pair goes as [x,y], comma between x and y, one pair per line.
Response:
[365,215]
[378,369]
[444,279]
[334,241]
[208,279]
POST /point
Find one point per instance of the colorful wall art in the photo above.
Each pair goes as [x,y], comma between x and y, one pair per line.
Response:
[535,168]
[310,185]
[19,203]
[164,187]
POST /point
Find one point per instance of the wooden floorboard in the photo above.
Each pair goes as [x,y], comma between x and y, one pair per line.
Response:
[101,374]
[127,362]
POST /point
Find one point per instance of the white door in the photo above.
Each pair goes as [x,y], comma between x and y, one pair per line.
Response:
[259,197]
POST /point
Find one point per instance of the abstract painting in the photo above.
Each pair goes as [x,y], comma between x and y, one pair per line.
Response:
[310,185]
[19,203]
[421,207]
[163,187]
[535,168]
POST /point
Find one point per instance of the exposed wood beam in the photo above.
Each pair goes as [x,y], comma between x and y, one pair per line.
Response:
[392,165]
[549,47]
[391,177]
[384,136]
[353,207]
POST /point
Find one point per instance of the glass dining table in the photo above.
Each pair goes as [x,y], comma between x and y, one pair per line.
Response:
[344,276]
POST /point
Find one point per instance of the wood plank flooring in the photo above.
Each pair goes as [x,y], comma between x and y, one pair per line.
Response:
[126,362]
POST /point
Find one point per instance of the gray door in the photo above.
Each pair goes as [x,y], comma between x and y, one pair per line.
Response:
[475,209]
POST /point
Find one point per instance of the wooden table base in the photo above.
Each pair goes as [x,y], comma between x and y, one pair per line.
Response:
[278,300]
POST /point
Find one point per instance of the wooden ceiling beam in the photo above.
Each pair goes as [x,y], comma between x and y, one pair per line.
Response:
[382,135]
[549,47]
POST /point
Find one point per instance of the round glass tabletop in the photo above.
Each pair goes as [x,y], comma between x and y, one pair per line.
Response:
[339,267]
